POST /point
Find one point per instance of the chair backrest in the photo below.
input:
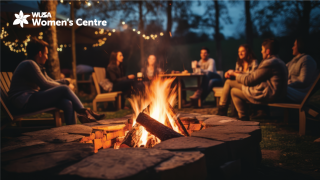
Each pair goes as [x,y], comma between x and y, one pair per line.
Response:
[5,78]
[314,88]
[221,74]
[96,83]
[100,73]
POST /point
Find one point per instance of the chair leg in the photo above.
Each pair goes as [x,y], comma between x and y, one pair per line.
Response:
[57,118]
[286,115]
[94,104]
[119,101]
[217,101]
[302,122]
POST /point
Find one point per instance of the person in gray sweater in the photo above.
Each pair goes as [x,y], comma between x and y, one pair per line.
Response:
[266,84]
[32,89]
[302,71]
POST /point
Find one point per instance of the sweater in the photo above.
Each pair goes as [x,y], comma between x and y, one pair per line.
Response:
[207,66]
[29,78]
[302,71]
[266,84]
[115,73]
[252,66]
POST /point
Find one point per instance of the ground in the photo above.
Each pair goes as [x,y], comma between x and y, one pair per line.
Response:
[286,154]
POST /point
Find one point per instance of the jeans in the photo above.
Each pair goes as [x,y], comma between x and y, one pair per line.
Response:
[239,101]
[209,81]
[60,97]
[228,85]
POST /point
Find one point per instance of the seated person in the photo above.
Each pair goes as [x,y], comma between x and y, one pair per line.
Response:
[302,71]
[266,84]
[246,63]
[210,78]
[151,69]
[115,73]
[33,90]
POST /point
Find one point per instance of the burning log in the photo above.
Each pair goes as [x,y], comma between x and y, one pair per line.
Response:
[156,128]
[177,120]
[133,136]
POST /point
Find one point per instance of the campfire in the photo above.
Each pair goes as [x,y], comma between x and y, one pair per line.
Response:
[154,120]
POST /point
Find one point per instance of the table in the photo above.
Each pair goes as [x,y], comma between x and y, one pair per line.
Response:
[181,76]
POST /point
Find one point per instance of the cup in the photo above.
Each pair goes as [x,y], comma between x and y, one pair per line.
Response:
[194,66]
[139,76]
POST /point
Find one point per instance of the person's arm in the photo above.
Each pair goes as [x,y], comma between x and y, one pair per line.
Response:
[255,77]
[112,72]
[255,65]
[35,74]
[60,81]
[308,66]
[211,66]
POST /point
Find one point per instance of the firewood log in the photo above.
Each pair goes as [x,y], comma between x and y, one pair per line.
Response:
[133,136]
[156,128]
[177,120]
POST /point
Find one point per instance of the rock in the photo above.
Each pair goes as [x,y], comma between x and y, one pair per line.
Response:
[215,151]
[67,133]
[183,165]
[34,159]
[19,142]
[128,163]
[228,122]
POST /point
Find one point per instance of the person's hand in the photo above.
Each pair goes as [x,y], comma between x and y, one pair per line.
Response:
[71,86]
[131,76]
[228,73]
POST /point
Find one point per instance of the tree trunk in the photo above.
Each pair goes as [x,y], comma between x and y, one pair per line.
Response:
[217,35]
[73,47]
[167,42]
[141,29]
[305,20]
[50,36]
[249,35]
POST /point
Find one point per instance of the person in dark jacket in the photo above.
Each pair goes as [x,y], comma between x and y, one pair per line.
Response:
[32,89]
[115,73]
[266,84]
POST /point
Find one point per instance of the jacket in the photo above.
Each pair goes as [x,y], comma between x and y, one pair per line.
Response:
[266,84]
[115,73]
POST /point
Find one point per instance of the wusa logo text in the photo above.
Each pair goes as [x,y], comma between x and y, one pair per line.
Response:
[38,19]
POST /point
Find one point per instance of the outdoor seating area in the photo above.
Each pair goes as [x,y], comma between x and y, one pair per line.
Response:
[181,90]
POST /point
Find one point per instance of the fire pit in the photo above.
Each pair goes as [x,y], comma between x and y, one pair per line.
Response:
[153,143]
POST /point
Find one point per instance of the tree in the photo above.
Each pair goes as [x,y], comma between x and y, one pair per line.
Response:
[50,36]
[296,16]
[249,32]
[211,18]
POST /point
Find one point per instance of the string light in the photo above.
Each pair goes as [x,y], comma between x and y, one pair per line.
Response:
[109,34]
[89,4]
[161,34]
[61,1]
[123,22]
[113,30]
[138,32]
[85,48]
[133,29]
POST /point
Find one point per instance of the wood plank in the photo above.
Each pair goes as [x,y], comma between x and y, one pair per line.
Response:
[6,78]
[285,105]
[10,74]
[109,127]
[3,82]
[96,84]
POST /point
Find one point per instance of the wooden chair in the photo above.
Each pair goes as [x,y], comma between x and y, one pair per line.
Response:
[14,115]
[302,107]
[99,74]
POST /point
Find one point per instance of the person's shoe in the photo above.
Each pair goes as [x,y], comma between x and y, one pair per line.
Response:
[244,118]
[96,115]
[84,119]
[85,116]
[261,114]
[196,95]
[222,110]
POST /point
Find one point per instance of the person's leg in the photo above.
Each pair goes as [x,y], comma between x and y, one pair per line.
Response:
[67,107]
[239,100]
[228,85]
[51,98]
[216,82]
[205,84]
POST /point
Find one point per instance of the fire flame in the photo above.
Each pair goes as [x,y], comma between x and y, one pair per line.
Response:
[156,95]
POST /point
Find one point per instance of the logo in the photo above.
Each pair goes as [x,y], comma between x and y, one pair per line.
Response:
[21,19]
